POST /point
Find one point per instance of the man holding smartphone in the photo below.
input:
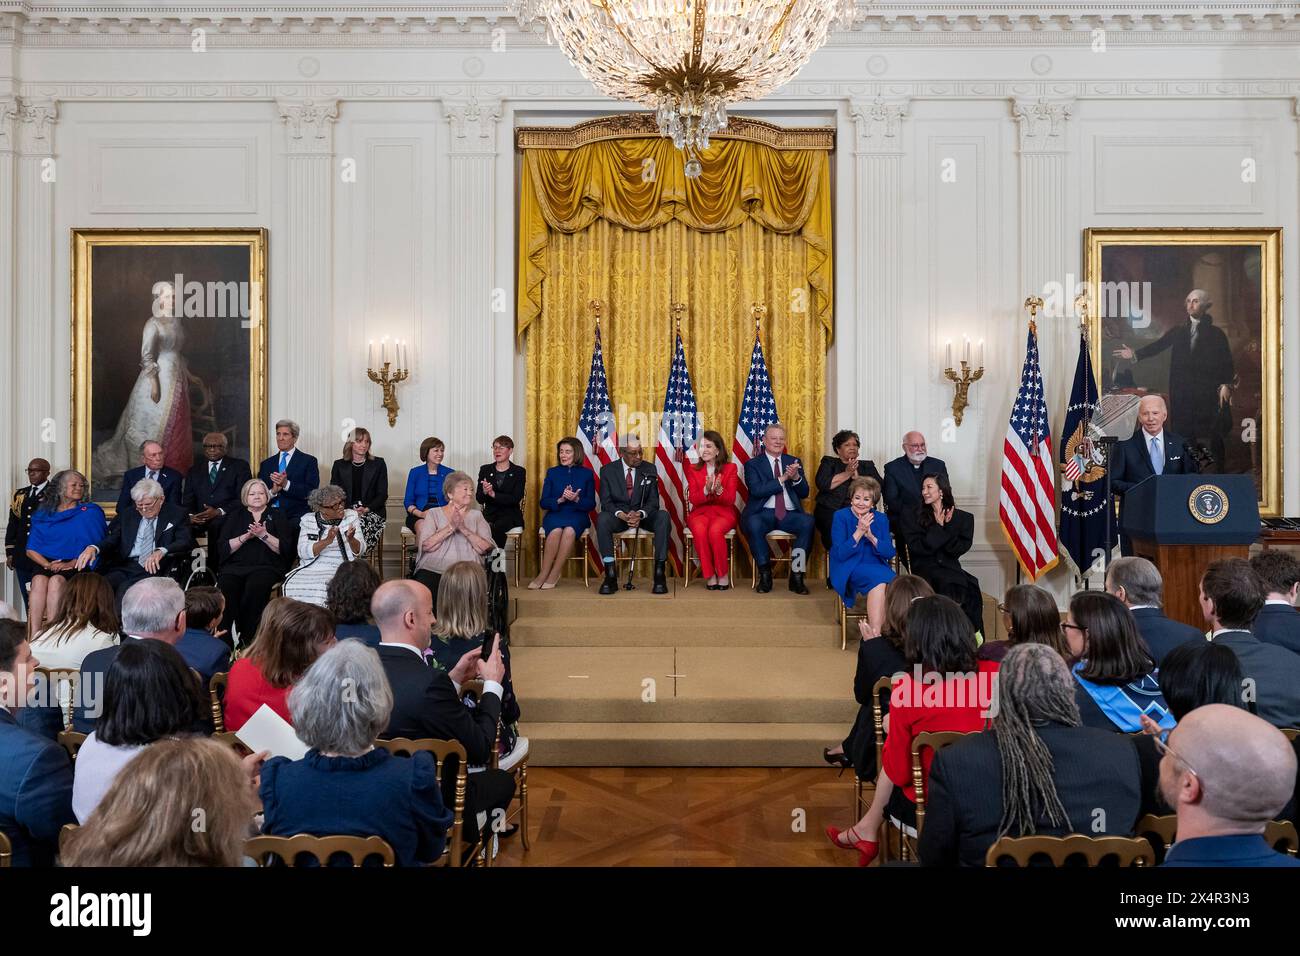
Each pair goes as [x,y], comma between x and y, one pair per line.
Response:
[777,487]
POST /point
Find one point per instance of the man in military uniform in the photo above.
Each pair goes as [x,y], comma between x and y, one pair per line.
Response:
[22,505]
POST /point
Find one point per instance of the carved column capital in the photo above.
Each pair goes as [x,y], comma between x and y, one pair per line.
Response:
[473,124]
[35,121]
[309,125]
[878,123]
[1042,124]
[8,123]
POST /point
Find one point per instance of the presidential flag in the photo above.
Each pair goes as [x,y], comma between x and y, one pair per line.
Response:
[679,433]
[1083,493]
[757,411]
[597,429]
[1027,510]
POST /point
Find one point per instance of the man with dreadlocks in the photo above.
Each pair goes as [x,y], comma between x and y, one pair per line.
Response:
[1037,771]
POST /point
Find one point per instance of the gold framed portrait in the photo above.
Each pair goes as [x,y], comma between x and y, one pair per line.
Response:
[1194,315]
[168,344]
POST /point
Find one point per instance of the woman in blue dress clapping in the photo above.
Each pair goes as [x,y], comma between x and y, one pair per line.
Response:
[568,497]
[861,547]
[66,521]
[424,481]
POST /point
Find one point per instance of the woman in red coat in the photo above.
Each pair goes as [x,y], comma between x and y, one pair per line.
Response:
[290,637]
[711,486]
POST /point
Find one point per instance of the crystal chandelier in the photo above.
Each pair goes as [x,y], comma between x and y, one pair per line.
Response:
[687,58]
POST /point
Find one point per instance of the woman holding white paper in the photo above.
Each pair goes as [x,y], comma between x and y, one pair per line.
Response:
[289,638]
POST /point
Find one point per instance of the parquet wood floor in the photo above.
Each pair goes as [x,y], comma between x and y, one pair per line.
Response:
[697,816]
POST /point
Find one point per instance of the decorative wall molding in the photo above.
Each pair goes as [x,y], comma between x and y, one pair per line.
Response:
[195,186]
[642,124]
[473,125]
[36,119]
[1042,123]
[877,124]
[8,123]
[309,125]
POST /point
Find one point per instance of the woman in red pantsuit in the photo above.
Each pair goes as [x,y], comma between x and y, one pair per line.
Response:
[712,493]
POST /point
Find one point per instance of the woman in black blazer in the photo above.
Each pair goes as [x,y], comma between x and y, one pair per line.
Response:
[834,475]
[364,480]
[256,543]
[500,491]
[937,535]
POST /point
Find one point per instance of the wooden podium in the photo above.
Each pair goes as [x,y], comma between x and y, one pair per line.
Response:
[1181,523]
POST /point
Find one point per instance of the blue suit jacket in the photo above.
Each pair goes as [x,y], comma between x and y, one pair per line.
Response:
[1161,634]
[196,647]
[171,480]
[35,793]
[1278,624]
[846,554]
[1247,850]
[1132,460]
[303,474]
[762,484]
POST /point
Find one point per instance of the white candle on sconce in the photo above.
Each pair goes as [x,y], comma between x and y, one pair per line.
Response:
[384,351]
[979,354]
[401,354]
[965,349]
[370,355]
[948,354]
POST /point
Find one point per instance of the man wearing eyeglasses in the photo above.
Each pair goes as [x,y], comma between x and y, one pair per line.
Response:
[212,488]
[903,477]
[21,506]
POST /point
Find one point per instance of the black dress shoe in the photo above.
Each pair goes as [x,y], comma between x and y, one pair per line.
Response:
[610,584]
[660,585]
[764,579]
[796,583]
[713,587]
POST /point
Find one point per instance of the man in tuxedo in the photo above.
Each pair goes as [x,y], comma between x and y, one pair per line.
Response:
[290,474]
[1278,622]
[902,490]
[1137,583]
[426,699]
[629,498]
[151,467]
[1231,596]
[1227,774]
[150,538]
[777,487]
[1150,451]
[35,773]
[1201,374]
[21,506]
[152,610]
[212,488]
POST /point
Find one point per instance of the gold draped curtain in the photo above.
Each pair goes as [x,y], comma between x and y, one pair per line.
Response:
[617,221]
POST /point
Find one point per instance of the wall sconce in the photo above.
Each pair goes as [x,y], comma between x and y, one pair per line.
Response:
[968,374]
[386,357]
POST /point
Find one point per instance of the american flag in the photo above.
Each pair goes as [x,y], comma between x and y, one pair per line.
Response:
[679,432]
[1028,503]
[597,429]
[757,411]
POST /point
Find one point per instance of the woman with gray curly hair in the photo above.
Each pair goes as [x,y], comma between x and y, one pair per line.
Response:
[345,785]
[328,538]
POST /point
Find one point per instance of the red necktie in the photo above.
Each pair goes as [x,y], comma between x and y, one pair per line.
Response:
[629,485]
[780,495]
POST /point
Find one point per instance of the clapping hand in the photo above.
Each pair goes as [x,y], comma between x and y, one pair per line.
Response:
[456,519]
[792,472]
[852,467]
[258,530]
[569,494]
[277,480]
[947,516]
[488,489]
[864,522]
[867,630]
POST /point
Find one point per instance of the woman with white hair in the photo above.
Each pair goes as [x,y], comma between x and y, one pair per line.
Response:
[455,532]
[328,538]
[345,785]
[255,544]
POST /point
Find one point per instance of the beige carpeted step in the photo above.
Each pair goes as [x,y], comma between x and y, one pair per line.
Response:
[647,631]
[693,605]
[679,745]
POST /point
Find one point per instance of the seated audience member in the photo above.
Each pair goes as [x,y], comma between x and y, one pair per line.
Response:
[290,637]
[903,477]
[878,656]
[64,523]
[1226,773]
[568,498]
[151,467]
[348,599]
[1117,680]
[364,480]
[211,490]
[35,773]
[290,475]
[1193,675]
[463,626]
[711,486]
[149,694]
[345,784]
[501,485]
[146,819]
[777,486]
[424,490]
[256,544]
[87,622]
[941,644]
[1231,596]
[204,609]
[1029,616]
[1036,772]
[455,532]
[860,551]
[328,538]
[938,533]
[629,501]
[1278,622]
[152,609]
[834,476]
[1137,582]
[25,501]
[152,537]
[426,701]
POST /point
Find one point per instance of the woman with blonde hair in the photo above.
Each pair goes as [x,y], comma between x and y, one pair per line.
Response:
[457,531]
[148,817]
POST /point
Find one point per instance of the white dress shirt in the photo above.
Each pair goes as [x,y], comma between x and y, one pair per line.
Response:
[628,470]
[773,468]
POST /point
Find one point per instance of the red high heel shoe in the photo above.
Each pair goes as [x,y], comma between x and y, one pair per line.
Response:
[867,849]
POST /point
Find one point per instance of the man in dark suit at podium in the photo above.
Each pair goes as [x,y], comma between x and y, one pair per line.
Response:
[212,488]
[151,466]
[1137,582]
[903,477]
[291,474]
[629,499]
[777,487]
[1151,451]
[1278,622]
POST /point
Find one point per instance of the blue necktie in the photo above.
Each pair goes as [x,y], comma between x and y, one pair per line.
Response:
[1157,457]
[284,462]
